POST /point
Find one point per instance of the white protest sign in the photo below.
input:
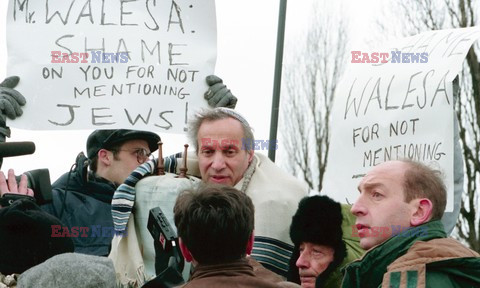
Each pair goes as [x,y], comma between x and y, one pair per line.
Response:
[403,108]
[92,64]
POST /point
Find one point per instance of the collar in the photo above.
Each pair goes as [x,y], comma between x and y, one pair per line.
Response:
[242,185]
[235,268]
[371,267]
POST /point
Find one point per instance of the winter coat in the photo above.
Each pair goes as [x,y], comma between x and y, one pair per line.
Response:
[274,193]
[240,274]
[81,199]
[426,259]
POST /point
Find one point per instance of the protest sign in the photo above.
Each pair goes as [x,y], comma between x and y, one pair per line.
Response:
[93,64]
[396,102]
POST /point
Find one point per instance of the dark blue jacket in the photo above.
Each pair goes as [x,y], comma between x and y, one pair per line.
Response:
[81,199]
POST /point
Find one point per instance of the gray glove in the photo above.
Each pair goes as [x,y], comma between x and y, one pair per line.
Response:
[11,99]
[218,95]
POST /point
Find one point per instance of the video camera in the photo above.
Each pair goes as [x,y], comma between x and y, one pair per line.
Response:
[169,260]
[38,179]
[165,240]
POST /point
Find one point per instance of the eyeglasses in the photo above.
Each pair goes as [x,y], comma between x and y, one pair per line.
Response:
[143,155]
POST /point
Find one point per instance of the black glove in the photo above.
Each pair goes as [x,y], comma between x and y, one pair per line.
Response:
[11,99]
[218,95]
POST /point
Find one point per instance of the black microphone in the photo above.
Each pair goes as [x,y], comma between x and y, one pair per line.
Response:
[10,149]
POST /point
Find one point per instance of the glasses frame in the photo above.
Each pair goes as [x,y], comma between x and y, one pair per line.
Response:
[142,154]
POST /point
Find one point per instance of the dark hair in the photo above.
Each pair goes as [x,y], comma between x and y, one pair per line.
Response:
[114,149]
[421,181]
[215,223]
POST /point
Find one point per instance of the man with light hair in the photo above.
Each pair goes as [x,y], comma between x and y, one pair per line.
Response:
[224,144]
[224,155]
[406,200]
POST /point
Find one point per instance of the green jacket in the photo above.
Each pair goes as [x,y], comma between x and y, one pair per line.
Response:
[352,243]
[428,259]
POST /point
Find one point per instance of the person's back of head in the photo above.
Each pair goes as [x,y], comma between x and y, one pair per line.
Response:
[215,223]
[70,270]
[26,237]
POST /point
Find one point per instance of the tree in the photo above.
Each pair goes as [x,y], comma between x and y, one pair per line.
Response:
[423,15]
[310,79]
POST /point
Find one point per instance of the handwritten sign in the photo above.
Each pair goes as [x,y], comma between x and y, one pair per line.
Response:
[93,64]
[402,108]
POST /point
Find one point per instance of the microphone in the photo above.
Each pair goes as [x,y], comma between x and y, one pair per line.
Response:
[10,149]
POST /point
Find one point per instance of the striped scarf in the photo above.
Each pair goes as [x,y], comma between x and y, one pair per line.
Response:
[124,197]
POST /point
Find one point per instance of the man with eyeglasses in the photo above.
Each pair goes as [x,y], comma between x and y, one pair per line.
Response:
[82,197]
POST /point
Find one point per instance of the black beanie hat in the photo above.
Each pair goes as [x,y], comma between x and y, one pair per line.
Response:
[25,237]
[318,220]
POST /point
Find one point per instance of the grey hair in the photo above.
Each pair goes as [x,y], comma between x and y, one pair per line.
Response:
[219,113]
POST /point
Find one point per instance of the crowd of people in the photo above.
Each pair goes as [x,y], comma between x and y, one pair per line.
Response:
[241,221]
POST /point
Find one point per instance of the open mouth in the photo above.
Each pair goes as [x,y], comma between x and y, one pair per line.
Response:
[218,178]
[362,229]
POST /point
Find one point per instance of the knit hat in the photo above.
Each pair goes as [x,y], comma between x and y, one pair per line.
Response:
[105,139]
[25,237]
[70,270]
[234,114]
[318,220]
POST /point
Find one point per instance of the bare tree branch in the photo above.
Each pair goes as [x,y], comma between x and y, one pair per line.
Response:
[316,73]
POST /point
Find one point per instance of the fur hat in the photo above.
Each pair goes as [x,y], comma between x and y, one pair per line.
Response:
[25,237]
[318,220]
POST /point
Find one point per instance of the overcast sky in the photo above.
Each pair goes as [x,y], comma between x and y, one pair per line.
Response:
[246,53]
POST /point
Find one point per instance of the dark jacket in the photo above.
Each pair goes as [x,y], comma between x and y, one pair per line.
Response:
[427,259]
[80,199]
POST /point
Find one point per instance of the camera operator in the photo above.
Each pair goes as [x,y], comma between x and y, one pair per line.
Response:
[10,186]
[25,230]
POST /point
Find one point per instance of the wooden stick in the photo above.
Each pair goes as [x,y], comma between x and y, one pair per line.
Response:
[184,169]
[160,165]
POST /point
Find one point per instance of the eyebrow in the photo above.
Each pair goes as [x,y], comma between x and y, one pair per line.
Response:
[369,186]
[207,147]
[230,146]
[220,147]
[141,148]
